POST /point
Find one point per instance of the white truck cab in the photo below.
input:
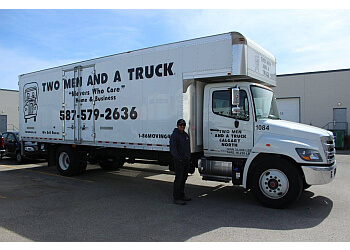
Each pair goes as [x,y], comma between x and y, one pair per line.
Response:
[276,159]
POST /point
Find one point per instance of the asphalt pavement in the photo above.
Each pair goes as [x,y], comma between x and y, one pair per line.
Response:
[134,204]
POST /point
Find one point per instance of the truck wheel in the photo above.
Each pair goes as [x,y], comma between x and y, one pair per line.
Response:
[276,183]
[67,161]
[192,168]
[19,157]
[112,165]
[305,185]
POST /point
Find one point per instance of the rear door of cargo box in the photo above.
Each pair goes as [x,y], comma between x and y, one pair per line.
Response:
[78,104]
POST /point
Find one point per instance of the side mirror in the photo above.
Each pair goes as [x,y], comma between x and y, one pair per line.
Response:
[235,96]
[235,100]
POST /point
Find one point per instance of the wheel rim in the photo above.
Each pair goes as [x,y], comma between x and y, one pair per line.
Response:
[64,161]
[274,183]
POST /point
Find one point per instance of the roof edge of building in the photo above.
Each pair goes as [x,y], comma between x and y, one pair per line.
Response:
[314,72]
[13,90]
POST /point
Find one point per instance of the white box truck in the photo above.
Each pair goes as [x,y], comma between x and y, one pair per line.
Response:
[123,108]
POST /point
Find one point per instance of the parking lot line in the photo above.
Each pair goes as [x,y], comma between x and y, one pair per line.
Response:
[2,197]
[40,172]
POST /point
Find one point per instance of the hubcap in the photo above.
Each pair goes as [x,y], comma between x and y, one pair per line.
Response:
[64,161]
[274,183]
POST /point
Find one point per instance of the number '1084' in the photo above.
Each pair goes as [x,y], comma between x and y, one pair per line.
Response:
[262,127]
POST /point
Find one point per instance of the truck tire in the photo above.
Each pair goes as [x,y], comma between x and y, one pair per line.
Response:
[276,183]
[67,161]
[112,165]
[305,185]
[192,168]
[19,157]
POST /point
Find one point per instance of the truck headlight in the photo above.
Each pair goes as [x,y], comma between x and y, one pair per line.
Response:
[309,154]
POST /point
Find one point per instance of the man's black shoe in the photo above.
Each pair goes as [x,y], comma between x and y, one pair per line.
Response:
[186,198]
[179,202]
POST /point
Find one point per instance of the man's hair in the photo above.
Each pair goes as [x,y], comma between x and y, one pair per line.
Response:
[181,121]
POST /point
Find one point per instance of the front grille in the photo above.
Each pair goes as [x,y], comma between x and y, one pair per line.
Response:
[329,148]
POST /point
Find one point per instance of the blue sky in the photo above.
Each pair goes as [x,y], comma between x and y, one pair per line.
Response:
[301,40]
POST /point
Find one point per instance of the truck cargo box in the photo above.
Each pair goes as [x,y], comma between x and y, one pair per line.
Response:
[133,99]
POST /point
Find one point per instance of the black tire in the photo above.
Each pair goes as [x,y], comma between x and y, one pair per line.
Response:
[19,157]
[192,168]
[276,183]
[68,163]
[305,185]
[82,161]
[112,164]
[93,161]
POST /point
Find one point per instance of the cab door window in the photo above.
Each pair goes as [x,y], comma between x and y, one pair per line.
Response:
[11,138]
[221,104]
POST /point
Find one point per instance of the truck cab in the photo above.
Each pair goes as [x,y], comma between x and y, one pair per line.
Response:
[246,142]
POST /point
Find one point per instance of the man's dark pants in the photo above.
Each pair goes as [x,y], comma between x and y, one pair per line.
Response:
[181,173]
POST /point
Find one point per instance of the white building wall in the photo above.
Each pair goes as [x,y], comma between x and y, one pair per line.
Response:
[9,106]
[319,92]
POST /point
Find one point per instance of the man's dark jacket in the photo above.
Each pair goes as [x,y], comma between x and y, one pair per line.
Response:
[180,145]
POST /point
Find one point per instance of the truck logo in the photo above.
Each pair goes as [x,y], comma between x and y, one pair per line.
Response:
[30,98]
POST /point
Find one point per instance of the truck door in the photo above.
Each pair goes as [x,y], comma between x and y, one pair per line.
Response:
[3,123]
[339,119]
[68,107]
[11,144]
[78,104]
[230,135]
[86,104]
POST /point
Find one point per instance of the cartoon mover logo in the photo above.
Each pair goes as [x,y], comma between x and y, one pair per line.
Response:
[30,99]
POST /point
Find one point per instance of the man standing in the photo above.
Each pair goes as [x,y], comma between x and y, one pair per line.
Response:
[180,150]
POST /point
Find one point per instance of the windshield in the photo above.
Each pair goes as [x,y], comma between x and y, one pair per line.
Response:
[264,103]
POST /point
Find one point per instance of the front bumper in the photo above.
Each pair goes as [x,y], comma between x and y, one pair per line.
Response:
[318,175]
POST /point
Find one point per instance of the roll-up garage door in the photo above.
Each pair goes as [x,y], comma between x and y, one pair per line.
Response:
[289,109]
